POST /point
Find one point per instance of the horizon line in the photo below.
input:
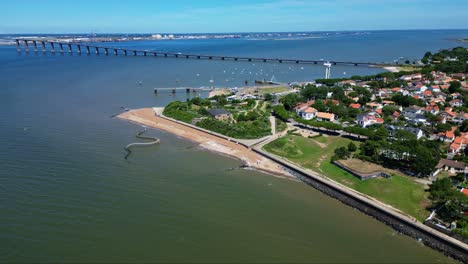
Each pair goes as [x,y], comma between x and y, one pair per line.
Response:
[244,32]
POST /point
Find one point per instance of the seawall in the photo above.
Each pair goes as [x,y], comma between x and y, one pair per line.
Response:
[398,221]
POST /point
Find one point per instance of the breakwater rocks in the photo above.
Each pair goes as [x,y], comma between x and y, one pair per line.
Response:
[403,224]
[400,226]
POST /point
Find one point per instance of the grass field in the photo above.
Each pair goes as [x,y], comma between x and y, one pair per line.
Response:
[399,191]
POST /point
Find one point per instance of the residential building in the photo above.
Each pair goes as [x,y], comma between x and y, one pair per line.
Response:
[322,116]
[451,166]
[418,133]
[308,114]
[220,114]
[365,120]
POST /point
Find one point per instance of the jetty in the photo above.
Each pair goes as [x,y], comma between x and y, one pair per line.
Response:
[186,89]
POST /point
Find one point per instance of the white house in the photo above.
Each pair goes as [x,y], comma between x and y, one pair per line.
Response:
[365,120]
[309,113]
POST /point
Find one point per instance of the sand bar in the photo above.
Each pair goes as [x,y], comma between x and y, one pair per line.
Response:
[207,141]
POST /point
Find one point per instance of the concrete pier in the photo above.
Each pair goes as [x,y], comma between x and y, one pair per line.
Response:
[17,46]
[116,52]
[135,53]
[52,47]
[61,47]
[125,52]
[26,46]
[44,49]
[79,48]
[35,46]
[97,50]
[70,50]
[106,51]
[87,50]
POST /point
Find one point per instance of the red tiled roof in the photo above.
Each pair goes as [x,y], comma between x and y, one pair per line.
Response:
[450,134]
[355,106]
[310,110]
[325,115]
[427,92]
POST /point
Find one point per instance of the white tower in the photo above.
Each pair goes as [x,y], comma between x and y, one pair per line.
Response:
[327,69]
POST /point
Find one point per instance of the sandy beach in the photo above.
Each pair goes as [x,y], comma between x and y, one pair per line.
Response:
[207,141]
[392,69]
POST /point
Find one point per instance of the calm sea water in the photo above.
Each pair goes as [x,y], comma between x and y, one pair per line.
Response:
[68,194]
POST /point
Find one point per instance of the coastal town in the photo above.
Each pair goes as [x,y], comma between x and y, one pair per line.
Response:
[397,137]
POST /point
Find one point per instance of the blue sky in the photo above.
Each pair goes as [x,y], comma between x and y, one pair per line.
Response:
[205,16]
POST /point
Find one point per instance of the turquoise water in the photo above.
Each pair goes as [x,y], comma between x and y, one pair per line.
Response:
[68,194]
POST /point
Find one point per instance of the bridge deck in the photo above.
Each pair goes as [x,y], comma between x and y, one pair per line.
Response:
[136,52]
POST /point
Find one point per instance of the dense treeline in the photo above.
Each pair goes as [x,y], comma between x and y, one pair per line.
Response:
[281,112]
[449,203]
[180,111]
[404,151]
[449,61]
[247,123]
[241,130]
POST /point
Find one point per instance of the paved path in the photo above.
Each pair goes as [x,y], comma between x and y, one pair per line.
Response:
[273,125]
[363,198]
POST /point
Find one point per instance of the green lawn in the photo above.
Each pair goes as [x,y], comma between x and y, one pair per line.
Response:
[400,191]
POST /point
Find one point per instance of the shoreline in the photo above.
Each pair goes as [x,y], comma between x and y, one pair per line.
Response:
[206,141]
[391,69]
[256,159]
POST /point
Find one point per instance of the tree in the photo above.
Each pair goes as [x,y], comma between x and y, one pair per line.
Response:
[443,127]
[370,149]
[380,134]
[341,153]
[464,126]
[404,135]
[281,113]
[451,211]
[433,119]
[454,87]
[320,106]
[423,162]
[352,147]
[269,97]
[290,101]
[389,110]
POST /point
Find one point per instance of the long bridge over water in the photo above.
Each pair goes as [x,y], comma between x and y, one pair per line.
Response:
[56,46]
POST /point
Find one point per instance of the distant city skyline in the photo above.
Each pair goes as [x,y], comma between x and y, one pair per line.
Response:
[215,16]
